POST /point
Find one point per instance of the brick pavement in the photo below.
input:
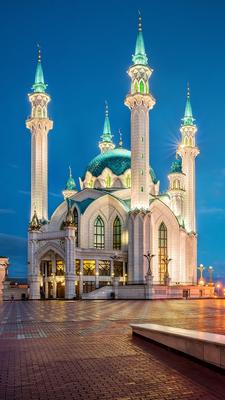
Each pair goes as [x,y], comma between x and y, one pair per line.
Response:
[84,350]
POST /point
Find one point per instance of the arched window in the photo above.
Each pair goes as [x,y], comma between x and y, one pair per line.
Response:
[117,234]
[108,181]
[136,87]
[76,223]
[99,233]
[142,87]
[162,249]
[128,181]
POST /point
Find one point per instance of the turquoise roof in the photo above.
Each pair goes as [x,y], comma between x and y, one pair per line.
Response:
[83,205]
[117,160]
[140,56]
[176,166]
[188,116]
[39,85]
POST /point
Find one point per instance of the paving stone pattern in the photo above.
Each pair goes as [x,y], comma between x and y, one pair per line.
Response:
[84,350]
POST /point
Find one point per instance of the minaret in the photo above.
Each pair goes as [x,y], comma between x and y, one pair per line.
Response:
[140,101]
[39,125]
[188,151]
[106,143]
[176,189]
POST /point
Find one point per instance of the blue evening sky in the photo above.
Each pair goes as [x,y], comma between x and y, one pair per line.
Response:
[86,51]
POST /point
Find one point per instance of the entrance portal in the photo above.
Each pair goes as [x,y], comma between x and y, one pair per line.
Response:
[60,290]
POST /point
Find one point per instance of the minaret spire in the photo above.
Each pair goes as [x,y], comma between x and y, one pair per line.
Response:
[106,142]
[140,56]
[39,85]
[188,116]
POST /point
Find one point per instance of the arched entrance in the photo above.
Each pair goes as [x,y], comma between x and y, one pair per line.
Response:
[60,290]
[52,272]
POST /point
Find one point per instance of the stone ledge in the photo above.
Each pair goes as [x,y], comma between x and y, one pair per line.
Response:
[205,346]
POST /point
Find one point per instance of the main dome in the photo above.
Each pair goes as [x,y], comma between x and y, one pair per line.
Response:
[117,160]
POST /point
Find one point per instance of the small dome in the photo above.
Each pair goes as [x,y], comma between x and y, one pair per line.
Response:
[70,185]
[176,166]
[117,160]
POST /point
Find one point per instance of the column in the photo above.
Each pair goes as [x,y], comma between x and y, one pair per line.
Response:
[70,263]
[96,274]
[33,267]
[81,276]
[124,272]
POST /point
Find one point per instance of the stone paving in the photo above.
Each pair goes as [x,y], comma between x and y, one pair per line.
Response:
[84,350]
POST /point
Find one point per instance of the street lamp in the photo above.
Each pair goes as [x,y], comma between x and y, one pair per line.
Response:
[201,279]
[149,258]
[166,277]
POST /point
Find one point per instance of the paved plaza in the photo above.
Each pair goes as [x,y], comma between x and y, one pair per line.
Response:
[84,350]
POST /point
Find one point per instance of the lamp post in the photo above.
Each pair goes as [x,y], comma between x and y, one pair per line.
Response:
[201,279]
[167,278]
[149,257]
[210,269]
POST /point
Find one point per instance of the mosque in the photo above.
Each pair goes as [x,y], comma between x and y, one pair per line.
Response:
[117,229]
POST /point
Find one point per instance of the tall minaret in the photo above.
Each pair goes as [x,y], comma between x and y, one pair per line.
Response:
[188,151]
[39,125]
[140,101]
[106,143]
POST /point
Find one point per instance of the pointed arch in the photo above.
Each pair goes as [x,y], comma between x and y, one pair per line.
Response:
[142,87]
[162,251]
[136,86]
[117,228]
[99,233]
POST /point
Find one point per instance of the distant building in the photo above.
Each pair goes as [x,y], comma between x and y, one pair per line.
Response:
[103,230]
[4,263]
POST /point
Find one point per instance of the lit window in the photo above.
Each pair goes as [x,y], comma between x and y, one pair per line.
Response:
[142,87]
[128,181]
[108,181]
[162,249]
[117,234]
[99,233]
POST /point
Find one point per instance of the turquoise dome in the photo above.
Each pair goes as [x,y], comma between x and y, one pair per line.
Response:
[70,185]
[176,166]
[117,160]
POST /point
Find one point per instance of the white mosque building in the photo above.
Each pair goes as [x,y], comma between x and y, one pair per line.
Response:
[117,229]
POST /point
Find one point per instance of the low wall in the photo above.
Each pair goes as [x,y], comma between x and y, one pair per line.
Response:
[208,347]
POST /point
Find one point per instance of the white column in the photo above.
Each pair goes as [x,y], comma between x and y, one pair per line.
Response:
[39,126]
[33,267]
[70,263]
[96,274]
[140,178]
[81,276]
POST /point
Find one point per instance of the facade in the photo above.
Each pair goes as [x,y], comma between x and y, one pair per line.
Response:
[117,225]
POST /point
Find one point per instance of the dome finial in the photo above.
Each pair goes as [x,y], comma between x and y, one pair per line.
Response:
[139,21]
[106,109]
[70,172]
[39,52]
[188,90]
[121,139]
